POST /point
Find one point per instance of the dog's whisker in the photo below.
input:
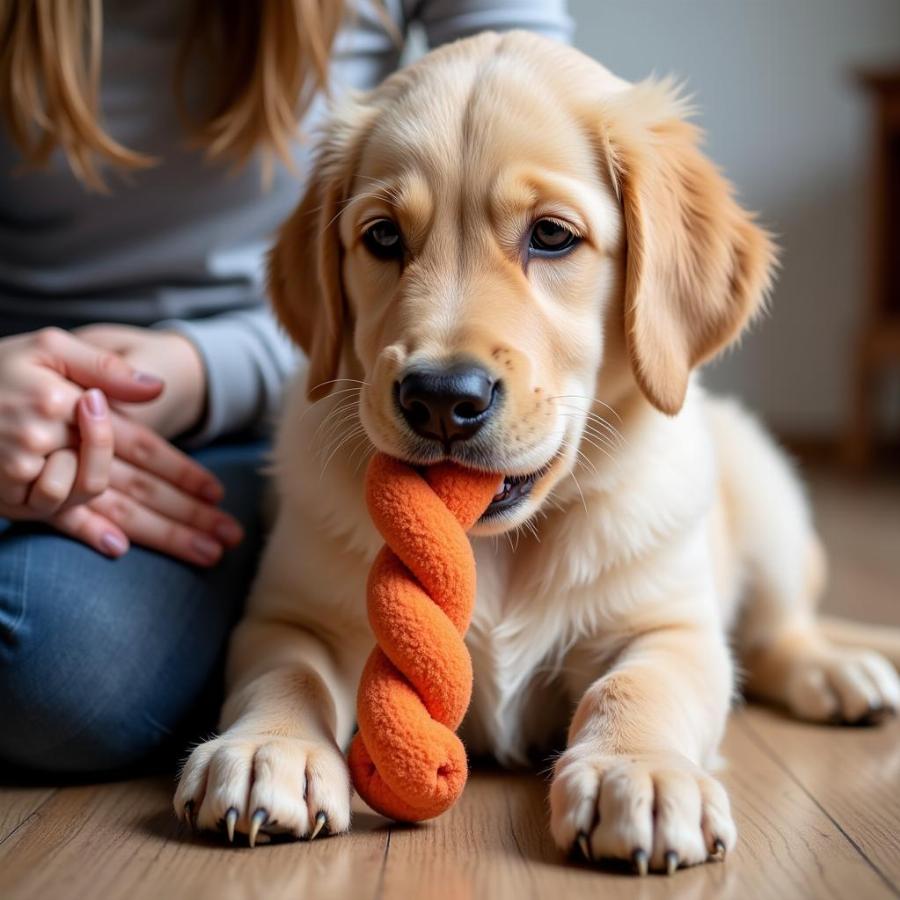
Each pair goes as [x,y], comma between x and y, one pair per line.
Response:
[608,429]
[607,439]
[590,401]
[336,380]
[352,381]
[365,457]
[580,492]
[592,417]
[600,441]
[341,405]
[339,427]
[362,443]
[572,475]
[332,429]
[600,449]
[582,458]
[530,525]
[599,420]
[338,416]
[335,429]
[585,461]
[603,438]
[342,204]
[333,396]
[387,194]
[344,440]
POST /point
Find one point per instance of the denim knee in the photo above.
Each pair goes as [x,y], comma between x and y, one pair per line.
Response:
[69,701]
[102,661]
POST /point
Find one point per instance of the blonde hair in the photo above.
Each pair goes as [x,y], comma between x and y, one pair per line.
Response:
[268,58]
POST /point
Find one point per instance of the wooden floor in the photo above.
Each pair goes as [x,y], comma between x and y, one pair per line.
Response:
[818,810]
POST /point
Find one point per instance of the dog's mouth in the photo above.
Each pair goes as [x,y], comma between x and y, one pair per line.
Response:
[514,491]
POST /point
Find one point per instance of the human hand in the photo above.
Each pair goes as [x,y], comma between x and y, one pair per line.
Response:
[67,459]
[170,356]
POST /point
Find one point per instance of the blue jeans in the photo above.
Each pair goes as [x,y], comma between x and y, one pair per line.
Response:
[104,663]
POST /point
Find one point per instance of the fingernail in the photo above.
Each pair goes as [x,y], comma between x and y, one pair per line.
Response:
[96,403]
[212,492]
[113,544]
[147,379]
[206,548]
[228,531]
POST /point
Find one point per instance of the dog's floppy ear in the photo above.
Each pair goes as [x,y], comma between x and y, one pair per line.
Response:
[304,267]
[697,266]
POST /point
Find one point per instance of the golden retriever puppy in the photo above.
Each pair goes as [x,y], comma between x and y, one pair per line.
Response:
[512,259]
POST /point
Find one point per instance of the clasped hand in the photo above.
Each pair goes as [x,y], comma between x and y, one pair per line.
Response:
[82,445]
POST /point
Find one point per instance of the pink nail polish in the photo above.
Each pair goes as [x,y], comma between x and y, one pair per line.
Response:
[228,532]
[212,492]
[206,548]
[146,379]
[112,544]
[96,403]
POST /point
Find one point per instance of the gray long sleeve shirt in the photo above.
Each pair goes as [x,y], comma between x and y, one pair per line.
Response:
[181,245]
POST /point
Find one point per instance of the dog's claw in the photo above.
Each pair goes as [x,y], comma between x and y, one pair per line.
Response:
[718,849]
[671,862]
[584,845]
[256,822]
[231,818]
[189,813]
[641,862]
[321,822]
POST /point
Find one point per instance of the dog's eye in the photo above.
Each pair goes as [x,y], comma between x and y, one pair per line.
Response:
[550,238]
[382,239]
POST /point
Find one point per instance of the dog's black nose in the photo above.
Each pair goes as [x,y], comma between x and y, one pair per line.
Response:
[447,404]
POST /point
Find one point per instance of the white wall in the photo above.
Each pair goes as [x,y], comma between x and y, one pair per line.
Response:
[772,81]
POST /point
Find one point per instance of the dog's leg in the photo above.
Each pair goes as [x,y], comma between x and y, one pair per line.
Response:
[277,766]
[631,784]
[785,653]
[788,660]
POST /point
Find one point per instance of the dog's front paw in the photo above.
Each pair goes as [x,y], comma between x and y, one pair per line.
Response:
[656,811]
[843,686]
[262,783]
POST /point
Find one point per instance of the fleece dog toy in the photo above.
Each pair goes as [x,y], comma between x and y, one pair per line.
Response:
[406,761]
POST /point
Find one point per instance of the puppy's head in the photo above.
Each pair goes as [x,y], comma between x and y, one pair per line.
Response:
[499,240]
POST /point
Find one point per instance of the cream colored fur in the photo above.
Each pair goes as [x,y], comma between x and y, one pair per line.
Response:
[666,524]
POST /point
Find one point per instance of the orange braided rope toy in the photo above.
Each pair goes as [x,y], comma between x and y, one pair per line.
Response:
[406,760]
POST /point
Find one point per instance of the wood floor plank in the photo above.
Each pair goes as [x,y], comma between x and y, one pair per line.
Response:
[853,774]
[122,841]
[17,805]
[495,844]
[859,524]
